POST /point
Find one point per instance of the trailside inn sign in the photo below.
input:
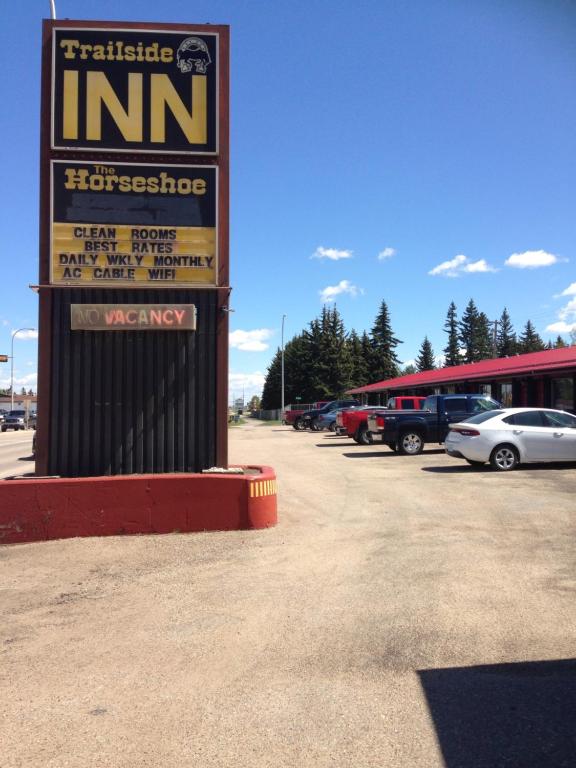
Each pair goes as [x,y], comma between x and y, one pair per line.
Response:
[120,90]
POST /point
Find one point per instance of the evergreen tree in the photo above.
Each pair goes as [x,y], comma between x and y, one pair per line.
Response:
[385,361]
[408,369]
[505,336]
[425,359]
[452,349]
[559,343]
[360,368]
[333,365]
[368,356]
[271,394]
[484,339]
[530,341]
[475,334]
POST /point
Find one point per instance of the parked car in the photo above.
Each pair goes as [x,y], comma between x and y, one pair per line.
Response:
[310,418]
[512,436]
[327,421]
[293,413]
[18,419]
[408,431]
[354,421]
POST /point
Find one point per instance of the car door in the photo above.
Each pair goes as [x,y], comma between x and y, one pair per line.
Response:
[562,428]
[455,410]
[532,435]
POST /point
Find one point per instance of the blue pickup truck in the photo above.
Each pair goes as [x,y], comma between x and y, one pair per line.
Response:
[409,432]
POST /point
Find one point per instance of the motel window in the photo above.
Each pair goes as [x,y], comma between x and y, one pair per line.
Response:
[563,394]
[506,395]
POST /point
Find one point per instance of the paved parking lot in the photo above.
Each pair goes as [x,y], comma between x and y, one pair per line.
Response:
[407,611]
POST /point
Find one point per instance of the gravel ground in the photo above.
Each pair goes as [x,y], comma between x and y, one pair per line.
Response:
[406,611]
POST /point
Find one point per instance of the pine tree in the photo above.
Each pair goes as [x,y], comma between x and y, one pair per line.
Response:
[484,340]
[559,343]
[368,356]
[425,359]
[452,350]
[384,343]
[476,334]
[271,394]
[360,369]
[333,369]
[505,336]
[530,341]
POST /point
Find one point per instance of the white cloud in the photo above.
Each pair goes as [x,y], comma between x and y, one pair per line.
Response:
[344,286]
[569,311]
[331,253]
[561,327]
[570,291]
[29,381]
[566,315]
[27,334]
[531,260]
[251,341]
[248,384]
[387,253]
[479,266]
[460,265]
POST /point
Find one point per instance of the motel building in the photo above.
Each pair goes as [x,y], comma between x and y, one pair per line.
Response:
[538,379]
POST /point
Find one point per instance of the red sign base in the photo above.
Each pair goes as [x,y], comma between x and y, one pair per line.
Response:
[60,508]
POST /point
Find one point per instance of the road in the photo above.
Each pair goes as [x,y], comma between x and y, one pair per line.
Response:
[406,612]
[16,453]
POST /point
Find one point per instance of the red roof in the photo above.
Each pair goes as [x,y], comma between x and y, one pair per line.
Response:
[499,367]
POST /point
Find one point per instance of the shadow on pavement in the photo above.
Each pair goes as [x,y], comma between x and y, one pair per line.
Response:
[26,458]
[519,715]
[457,468]
[377,454]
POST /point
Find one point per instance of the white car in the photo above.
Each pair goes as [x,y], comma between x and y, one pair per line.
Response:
[512,436]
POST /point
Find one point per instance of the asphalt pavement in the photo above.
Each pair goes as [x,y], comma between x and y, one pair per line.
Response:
[406,611]
[16,453]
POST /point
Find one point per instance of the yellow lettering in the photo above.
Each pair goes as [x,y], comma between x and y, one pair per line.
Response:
[70,104]
[98,91]
[194,124]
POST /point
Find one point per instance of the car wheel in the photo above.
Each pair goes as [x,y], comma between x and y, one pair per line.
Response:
[299,424]
[364,437]
[504,458]
[475,463]
[332,427]
[410,444]
[4,429]
[314,426]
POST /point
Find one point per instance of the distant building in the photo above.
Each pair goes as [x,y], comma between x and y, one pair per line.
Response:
[21,402]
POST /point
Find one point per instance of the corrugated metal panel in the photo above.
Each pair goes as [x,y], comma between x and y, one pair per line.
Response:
[124,402]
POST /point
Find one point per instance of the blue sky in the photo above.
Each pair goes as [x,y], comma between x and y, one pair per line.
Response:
[416,151]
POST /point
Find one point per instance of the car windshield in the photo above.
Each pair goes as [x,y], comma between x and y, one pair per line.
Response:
[478,418]
[484,404]
[19,414]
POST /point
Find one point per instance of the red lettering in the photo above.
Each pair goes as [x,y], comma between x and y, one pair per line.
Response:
[167,317]
[131,317]
[179,315]
[155,317]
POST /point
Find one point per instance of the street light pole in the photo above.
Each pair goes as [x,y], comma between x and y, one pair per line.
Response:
[282,410]
[12,363]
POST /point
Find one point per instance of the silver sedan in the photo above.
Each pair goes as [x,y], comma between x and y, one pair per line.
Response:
[513,436]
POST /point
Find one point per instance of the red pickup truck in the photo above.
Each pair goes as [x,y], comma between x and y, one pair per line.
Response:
[354,422]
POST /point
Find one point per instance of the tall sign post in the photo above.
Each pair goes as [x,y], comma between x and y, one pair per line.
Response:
[133,243]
